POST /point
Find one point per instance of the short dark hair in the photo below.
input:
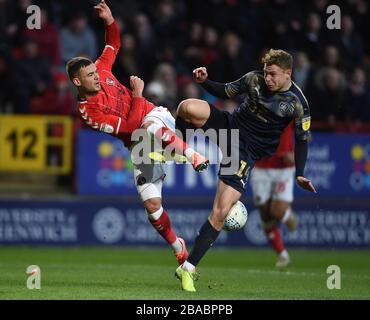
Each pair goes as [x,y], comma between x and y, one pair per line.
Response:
[279,57]
[75,64]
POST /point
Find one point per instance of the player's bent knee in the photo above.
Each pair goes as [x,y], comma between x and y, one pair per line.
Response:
[192,109]
[152,205]
[182,109]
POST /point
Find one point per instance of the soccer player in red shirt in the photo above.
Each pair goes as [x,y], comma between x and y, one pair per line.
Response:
[272,183]
[107,106]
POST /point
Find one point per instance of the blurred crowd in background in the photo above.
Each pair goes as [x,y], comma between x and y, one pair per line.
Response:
[164,40]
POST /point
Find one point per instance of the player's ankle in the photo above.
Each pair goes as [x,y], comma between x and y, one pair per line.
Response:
[177,246]
[189,153]
[187,266]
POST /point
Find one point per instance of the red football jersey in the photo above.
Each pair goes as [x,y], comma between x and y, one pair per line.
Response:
[113,109]
[276,161]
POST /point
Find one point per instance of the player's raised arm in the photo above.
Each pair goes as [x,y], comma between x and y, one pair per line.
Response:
[215,88]
[112,37]
[242,85]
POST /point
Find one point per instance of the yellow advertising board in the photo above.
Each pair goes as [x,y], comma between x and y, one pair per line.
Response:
[35,143]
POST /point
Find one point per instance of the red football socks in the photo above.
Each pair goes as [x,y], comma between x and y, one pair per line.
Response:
[274,238]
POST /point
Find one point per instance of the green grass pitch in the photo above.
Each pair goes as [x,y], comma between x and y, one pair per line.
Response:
[148,273]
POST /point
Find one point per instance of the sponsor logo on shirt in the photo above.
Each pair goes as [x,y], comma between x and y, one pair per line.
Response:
[306,123]
[107,128]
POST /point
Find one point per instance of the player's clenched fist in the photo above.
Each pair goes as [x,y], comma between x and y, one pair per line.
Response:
[137,86]
[104,12]
[200,74]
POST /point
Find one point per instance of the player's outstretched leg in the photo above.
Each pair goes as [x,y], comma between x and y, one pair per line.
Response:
[225,198]
[169,138]
[160,220]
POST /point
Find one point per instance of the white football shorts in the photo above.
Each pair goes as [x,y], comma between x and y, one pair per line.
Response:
[149,177]
[276,184]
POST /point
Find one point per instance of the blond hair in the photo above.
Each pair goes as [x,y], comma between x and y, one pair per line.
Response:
[279,57]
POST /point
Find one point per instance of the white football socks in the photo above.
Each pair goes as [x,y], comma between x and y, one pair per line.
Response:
[187,266]
[177,246]
[189,152]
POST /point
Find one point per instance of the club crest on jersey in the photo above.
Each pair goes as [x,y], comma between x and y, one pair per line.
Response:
[110,82]
[285,107]
[306,123]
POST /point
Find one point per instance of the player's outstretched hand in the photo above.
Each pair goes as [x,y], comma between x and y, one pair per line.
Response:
[137,86]
[200,74]
[305,184]
[104,12]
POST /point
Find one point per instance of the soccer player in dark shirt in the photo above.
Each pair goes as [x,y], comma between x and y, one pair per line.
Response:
[272,100]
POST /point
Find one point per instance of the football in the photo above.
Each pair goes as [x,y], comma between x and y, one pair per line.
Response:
[236,218]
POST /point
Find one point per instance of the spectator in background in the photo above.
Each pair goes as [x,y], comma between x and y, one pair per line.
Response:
[332,58]
[57,100]
[155,92]
[232,61]
[6,86]
[319,8]
[167,53]
[357,100]
[77,39]
[32,75]
[360,13]
[303,70]
[146,44]
[193,45]
[327,97]
[311,39]
[47,39]
[166,75]
[187,89]
[126,62]
[5,15]
[167,14]
[282,23]
[350,42]
[15,20]
[209,52]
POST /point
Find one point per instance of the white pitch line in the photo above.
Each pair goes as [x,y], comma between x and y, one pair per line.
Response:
[295,273]
[279,273]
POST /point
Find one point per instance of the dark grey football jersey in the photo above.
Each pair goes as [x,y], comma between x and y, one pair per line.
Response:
[263,114]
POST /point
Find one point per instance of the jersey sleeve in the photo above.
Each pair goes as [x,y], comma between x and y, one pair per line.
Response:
[302,121]
[246,84]
[112,45]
